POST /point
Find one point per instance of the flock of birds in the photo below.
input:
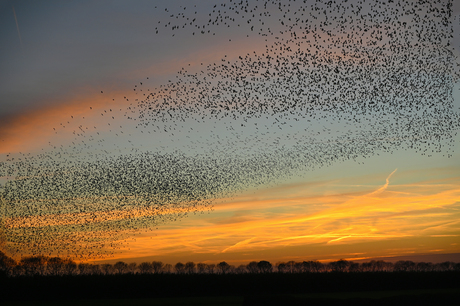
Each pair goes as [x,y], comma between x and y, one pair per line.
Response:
[334,81]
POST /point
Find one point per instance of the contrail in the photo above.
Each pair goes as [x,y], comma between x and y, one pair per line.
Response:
[17,26]
[384,186]
[238,244]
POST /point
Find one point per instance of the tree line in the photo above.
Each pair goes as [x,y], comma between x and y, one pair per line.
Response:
[44,265]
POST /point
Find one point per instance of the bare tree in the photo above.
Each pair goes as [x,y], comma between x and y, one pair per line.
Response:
[223,267]
[189,267]
[298,267]
[374,266]
[281,267]
[367,266]
[179,268]
[69,266]
[157,267]
[120,267]
[211,268]
[291,267]
[317,266]
[339,266]
[307,266]
[33,265]
[404,266]
[354,267]
[424,267]
[201,267]
[252,267]
[107,269]
[264,266]
[95,269]
[145,268]
[55,266]
[241,269]
[132,267]
[84,269]
[446,266]
[7,264]
[457,266]
[167,268]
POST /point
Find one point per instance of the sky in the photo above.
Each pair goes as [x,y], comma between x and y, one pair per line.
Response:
[233,131]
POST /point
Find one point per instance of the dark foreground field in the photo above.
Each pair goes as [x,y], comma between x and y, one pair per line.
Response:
[401,297]
[437,288]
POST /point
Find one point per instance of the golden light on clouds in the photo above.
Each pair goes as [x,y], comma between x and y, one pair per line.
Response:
[34,129]
[425,210]
[89,217]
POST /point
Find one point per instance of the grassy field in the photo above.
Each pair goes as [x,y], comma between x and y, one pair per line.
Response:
[238,300]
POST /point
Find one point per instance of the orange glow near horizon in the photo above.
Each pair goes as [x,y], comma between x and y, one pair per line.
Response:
[260,228]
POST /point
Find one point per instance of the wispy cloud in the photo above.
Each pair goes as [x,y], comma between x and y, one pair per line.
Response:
[372,217]
[270,220]
[35,128]
[238,244]
[17,27]
[384,187]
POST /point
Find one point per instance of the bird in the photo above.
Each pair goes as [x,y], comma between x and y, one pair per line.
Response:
[331,82]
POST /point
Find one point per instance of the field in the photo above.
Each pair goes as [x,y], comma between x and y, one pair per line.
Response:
[386,297]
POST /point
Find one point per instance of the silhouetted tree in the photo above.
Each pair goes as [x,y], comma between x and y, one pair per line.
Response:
[132,267]
[43,265]
[211,268]
[7,264]
[404,266]
[446,266]
[145,267]
[252,267]
[281,267]
[120,267]
[264,266]
[167,268]
[310,266]
[107,269]
[157,267]
[55,266]
[95,269]
[69,266]
[339,266]
[223,267]
[424,267]
[457,267]
[179,268]
[375,266]
[33,265]
[241,269]
[189,267]
[292,267]
[354,267]
[298,267]
[317,266]
[84,269]
[201,268]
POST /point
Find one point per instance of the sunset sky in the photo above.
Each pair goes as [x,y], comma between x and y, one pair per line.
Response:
[73,75]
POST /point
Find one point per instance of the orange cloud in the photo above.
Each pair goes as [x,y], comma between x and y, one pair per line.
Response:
[33,130]
[90,217]
[270,221]
[369,218]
